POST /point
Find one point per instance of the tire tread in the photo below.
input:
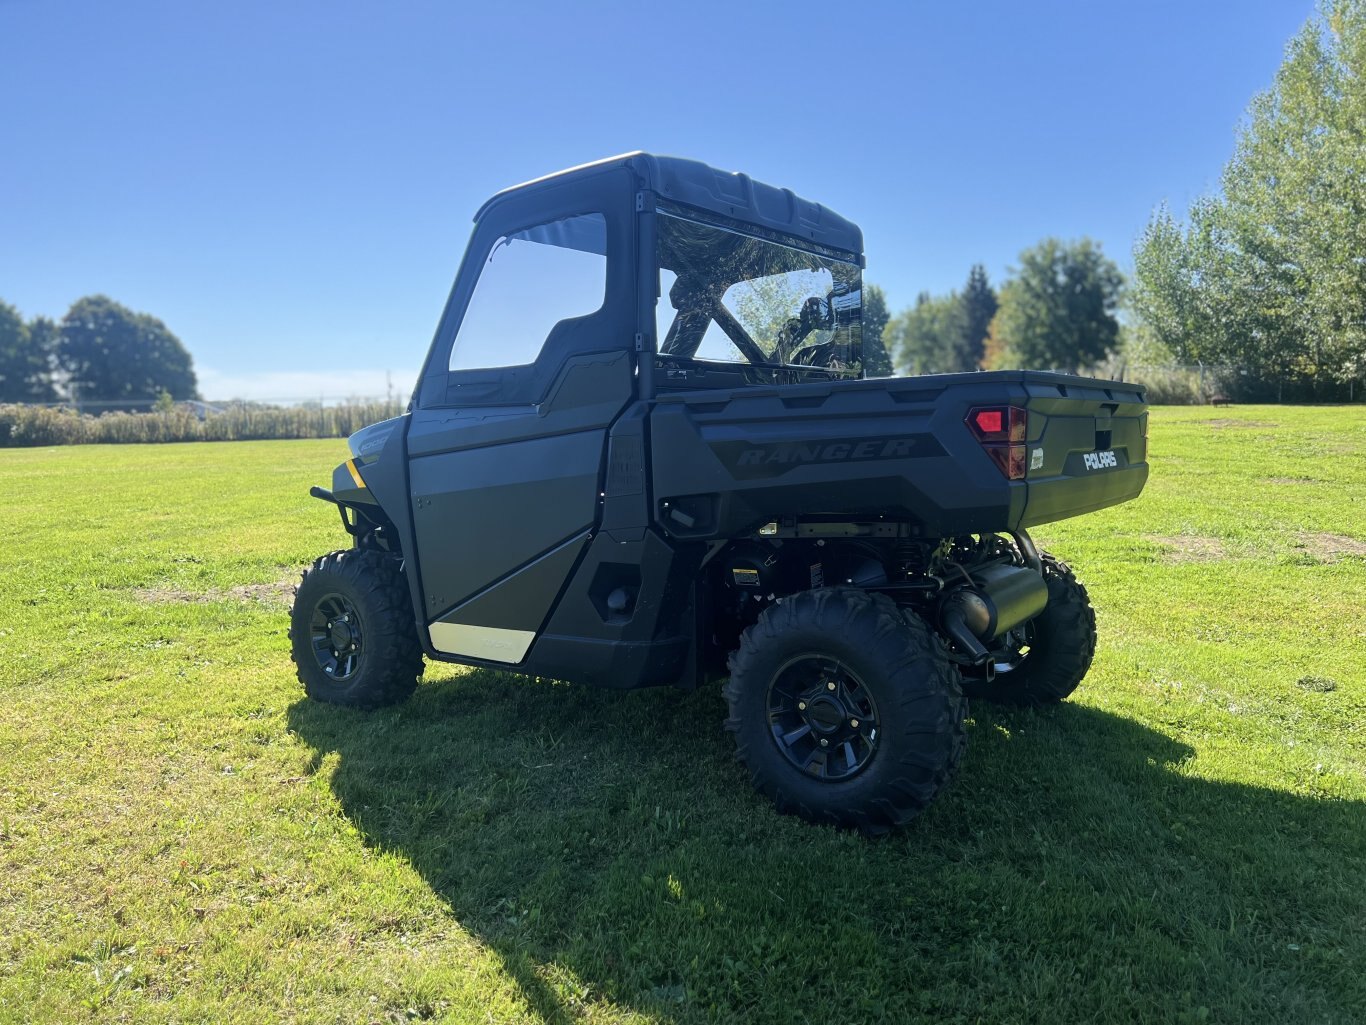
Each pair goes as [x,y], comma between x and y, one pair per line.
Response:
[1067,646]
[915,666]
[392,655]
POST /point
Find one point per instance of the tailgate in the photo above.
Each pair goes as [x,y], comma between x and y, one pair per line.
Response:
[1087,446]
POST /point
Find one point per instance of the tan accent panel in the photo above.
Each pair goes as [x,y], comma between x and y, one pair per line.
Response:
[486,642]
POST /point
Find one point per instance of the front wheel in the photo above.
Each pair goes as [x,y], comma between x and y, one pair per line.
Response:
[1051,654]
[845,710]
[352,634]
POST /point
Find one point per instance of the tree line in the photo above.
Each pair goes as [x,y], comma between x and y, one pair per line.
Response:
[1270,273]
[1058,311]
[99,352]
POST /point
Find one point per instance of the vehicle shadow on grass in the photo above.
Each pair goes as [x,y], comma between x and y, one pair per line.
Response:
[608,847]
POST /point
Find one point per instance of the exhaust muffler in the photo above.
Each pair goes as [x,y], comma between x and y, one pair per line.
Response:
[1001,598]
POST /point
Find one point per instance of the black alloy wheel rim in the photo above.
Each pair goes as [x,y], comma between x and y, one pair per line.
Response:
[335,630]
[822,718]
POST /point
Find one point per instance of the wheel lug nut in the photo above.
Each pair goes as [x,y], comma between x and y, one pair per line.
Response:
[824,742]
[801,705]
[853,723]
[830,685]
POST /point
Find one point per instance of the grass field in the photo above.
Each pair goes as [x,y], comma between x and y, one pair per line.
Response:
[183,839]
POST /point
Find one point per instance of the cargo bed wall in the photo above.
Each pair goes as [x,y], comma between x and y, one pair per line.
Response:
[1088,447]
[727,460]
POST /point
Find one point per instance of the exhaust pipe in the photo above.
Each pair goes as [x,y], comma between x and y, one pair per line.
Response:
[1028,551]
[955,624]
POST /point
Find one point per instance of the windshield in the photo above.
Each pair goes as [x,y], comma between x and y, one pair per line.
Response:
[732,297]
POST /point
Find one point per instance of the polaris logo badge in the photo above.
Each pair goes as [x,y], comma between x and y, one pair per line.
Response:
[1100,460]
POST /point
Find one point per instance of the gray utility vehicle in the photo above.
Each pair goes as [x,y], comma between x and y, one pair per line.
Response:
[643,451]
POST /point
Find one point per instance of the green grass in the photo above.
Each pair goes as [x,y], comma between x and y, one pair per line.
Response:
[183,839]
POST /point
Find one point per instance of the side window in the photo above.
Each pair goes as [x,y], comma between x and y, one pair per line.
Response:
[532,280]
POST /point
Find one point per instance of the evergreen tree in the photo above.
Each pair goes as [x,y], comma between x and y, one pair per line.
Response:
[979,306]
[877,362]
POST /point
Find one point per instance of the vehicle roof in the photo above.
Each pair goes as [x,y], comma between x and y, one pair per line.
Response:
[727,193]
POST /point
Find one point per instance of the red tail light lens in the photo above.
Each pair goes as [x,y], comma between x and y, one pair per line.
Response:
[1001,431]
[987,421]
[999,423]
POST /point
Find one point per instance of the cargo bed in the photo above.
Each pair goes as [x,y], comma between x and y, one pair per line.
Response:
[897,449]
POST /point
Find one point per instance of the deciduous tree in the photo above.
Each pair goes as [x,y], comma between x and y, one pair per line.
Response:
[112,354]
[25,358]
[1058,311]
[926,339]
[1270,273]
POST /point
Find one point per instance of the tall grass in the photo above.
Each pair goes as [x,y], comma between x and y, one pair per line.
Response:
[22,426]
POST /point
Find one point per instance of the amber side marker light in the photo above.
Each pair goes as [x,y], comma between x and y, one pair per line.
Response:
[1001,431]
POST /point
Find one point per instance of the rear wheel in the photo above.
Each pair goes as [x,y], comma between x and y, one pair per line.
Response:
[1052,653]
[352,633]
[844,710]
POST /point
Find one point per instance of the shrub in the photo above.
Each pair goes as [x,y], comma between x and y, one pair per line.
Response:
[26,426]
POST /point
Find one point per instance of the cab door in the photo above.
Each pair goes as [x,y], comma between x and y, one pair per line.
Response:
[534,360]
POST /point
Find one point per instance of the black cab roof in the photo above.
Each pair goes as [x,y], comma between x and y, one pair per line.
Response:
[728,194]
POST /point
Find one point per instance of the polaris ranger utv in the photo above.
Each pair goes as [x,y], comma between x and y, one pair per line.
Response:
[643,451]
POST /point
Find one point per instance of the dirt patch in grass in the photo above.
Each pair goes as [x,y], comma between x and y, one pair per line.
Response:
[1317,684]
[1223,422]
[1292,480]
[279,592]
[1331,547]
[169,595]
[1189,547]
[1307,546]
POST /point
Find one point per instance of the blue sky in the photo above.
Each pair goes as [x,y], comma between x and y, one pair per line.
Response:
[289,185]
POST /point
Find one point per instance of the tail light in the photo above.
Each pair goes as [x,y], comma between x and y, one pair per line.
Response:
[1001,431]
